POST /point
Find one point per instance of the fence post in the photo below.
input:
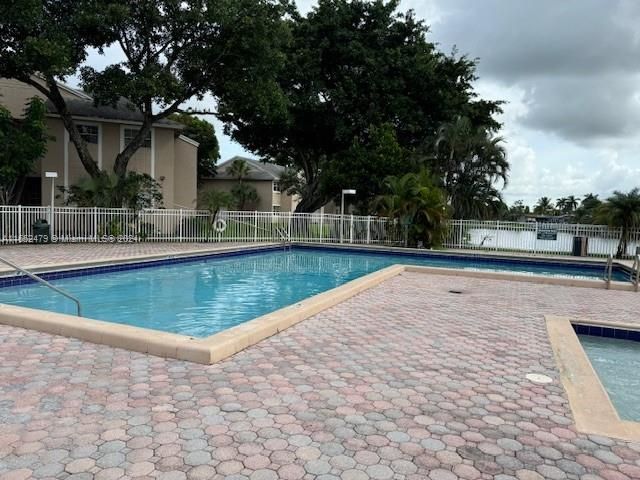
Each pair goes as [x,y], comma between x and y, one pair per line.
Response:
[19,239]
[181,222]
[321,224]
[289,226]
[461,232]
[95,224]
[368,229]
[255,226]
[497,234]
[351,229]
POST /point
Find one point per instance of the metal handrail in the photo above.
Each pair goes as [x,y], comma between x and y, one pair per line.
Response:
[608,272]
[284,236]
[44,282]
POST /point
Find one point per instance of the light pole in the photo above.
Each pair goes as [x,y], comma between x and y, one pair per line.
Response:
[52,176]
[345,191]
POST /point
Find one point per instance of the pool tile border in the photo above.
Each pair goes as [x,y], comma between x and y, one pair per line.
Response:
[592,409]
[606,332]
[84,269]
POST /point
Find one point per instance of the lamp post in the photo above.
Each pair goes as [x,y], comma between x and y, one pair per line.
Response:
[345,191]
[52,176]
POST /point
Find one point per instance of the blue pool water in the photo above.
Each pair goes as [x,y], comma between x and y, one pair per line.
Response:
[617,363]
[204,296]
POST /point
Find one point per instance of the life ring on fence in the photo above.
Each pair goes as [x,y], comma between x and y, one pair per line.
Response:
[220,225]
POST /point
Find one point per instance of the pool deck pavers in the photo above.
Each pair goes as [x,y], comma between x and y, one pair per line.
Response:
[405,381]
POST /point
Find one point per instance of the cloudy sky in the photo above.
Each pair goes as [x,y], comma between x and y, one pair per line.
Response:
[570,72]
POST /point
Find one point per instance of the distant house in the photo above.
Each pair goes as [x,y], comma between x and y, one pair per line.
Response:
[168,156]
[264,177]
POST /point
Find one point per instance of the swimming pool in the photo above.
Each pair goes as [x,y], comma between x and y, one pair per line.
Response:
[617,363]
[204,295]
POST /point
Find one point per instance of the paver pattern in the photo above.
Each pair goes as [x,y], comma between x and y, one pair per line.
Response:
[405,381]
[43,255]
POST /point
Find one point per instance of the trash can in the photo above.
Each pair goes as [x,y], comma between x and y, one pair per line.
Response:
[41,231]
[580,246]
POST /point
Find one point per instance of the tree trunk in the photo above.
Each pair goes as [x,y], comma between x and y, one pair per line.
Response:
[622,245]
[310,203]
[18,188]
[122,159]
[60,104]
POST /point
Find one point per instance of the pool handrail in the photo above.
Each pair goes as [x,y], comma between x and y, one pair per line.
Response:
[38,279]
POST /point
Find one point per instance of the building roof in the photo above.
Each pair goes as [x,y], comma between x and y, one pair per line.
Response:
[81,104]
[124,111]
[258,170]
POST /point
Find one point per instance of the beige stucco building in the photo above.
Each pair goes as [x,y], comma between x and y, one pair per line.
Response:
[264,177]
[168,156]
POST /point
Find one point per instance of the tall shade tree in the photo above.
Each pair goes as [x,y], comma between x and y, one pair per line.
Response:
[172,51]
[358,76]
[204,133]
[471,163]
[621,210]
[22,142]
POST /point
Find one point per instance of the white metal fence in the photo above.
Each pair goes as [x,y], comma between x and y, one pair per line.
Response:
[72,224]
[534,237]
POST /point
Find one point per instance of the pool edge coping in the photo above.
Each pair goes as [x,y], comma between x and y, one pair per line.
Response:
[592,409]
[207,350]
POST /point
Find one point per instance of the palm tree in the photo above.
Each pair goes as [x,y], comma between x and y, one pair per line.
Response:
[561,204]
[418,205]
[621,210]
[243,193]
[214,201]
[572,203]
[470,161]
[544,206]
[239,169]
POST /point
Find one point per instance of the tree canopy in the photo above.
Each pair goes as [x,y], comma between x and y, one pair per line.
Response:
[364,90]
[470,162]
[621,210]
[173,51]
[22,142]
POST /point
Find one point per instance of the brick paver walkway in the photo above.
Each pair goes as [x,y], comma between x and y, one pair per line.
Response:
[52,254]
[405,381]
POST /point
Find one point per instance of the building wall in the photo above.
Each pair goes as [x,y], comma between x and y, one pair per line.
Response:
[288,203]
[53,161]
[268,198]
[185,174]
[263,188]
[14,95]
[177,178]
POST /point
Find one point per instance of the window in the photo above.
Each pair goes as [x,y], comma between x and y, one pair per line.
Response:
[275,208]
[89,133]
[129,133]
[276,186]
